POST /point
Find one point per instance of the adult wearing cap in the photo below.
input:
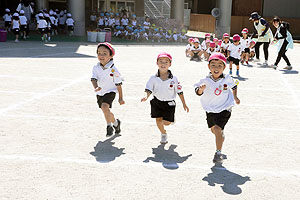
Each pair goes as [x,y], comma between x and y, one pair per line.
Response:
[264,33]
[25,5]
[284,41]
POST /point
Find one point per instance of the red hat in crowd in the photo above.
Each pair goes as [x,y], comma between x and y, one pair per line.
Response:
[212,44]
[236,37]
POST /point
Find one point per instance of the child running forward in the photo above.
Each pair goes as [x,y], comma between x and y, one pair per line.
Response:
[218,93]
[107,81]
[164,87]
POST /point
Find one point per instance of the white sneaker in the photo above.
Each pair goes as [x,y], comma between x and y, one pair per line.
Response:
[256,60]
[164,139]
[266,62]
[16,40]
[289,67]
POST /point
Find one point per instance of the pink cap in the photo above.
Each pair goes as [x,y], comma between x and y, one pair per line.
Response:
[225,35]
[212,44]
[107,45]
[217,56]
[245,30]
[196,40]
[236,37]
[220,42]
[190,39]
[164,55]
[207,41]
[215,39]
[207,35]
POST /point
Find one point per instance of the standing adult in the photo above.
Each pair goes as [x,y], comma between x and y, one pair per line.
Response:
[25,5]
[284,41]
[264,33]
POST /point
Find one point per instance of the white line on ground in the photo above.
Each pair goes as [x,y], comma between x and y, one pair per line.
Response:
[44,159]
[13,107]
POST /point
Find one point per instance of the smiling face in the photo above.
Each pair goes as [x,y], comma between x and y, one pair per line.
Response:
[163,64]
[103,55]
[216,68]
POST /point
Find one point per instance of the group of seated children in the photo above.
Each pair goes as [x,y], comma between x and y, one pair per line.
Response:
[240,49]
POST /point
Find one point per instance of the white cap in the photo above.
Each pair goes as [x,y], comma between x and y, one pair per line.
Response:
[22,12]
[41,15]
[7,10]
[46,15]
[65,11]
[69,15]
[15,15]
[54,13]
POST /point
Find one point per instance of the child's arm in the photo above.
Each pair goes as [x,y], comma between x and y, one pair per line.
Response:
[148,93]
[234,91]
[181,96]
[199,90]
[95,85]
[121,101]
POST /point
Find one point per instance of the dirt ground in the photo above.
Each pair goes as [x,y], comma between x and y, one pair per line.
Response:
[53,143]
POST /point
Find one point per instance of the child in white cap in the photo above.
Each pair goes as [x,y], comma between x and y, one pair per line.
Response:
[164,87]
[15,26]
[7,19]
[218,93]
[70,24]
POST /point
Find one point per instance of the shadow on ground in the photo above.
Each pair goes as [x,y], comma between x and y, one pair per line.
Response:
[106,152]
[289,71]
[230,181]
[168,157]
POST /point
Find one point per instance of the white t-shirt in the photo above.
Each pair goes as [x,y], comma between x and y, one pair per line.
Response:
[133,22]
[93,18]
[101,22]
[196,49]
[23,20]
[70,22]
[117,22]
[246,42]
[235,50]
[146,25]
[203,45]
[42,23]
[107,78]
[175,37]
[111,21]
[188,47]
[7,18]
[52,19]
[211,51]
[15,24]
[164,90]
[124,22]
[217,95]
[225,45]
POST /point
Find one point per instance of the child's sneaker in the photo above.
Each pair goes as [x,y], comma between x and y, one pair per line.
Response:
[274,66]
[218,158]
[109,131]
[230,72]
[247,62]
[118,127]
[289,67]
[164,139]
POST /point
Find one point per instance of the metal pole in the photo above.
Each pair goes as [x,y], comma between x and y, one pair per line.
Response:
[77,9]
[224,21]
[177,10]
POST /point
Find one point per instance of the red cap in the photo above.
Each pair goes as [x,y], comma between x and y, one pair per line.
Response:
[190,39]
[164,55]
[215,39]
[217,56]
[207,35]
[245,30]
[212,44]
[236,37]
[107,45]
[225,35]
[196,40]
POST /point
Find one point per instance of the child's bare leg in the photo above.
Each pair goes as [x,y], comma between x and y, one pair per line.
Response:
[166,123]
[160,125]
[219,136]
[230,65]
[109,116]
[237,67]
[247,57]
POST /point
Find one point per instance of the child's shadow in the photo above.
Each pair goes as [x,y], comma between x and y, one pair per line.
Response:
[240,78]
[105,152]
[168,157]
[230,181]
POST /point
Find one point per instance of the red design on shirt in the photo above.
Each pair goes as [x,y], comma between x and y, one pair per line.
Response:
[218,91]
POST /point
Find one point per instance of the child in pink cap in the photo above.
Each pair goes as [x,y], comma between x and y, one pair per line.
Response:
[218,93]
[235,50]
[212,49]
[164,87]
[195,51]
[188,47]
[225,44]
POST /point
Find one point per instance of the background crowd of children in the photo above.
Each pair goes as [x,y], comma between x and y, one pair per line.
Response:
[241,49]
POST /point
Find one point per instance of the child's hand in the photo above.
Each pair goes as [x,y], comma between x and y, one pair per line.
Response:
[97,89]
[144,99]
[237,100]
[121,101]
[201,88]
[186,108]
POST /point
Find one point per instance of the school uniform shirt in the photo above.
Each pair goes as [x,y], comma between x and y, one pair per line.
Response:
[235,50]
[106,21]
[188,47]
[70,22]
[203,45]
[7,18]
[196,49]
[175,37]
[246,42]
[52,19]
[211,51]
[124,22]
[117,22]
[225,45]
[15,24]
[111,21]
[101,22]
[23,20]
[108,77]
[164,90]
[217,95]
[133,22]
[42,23]
[217,48]
[146,25]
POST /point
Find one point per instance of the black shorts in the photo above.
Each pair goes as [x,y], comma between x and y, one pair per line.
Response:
[70,28]
[23,27]
[219,119]
[107,98]
[16,31]
[7,24]
[164,109]
[234,60]
[246,50]
[42,30]
[196,55]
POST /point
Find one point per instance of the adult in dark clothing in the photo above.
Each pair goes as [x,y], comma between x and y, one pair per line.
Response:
[264,33]
[284,41]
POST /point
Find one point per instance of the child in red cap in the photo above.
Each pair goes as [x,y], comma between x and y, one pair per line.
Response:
[164,87]
[218,93]
[235,50]
[107,81]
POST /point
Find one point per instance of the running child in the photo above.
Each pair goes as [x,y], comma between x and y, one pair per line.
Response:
[24,24]
[7,19]
[164,87]
[42,26]
[235,51]
[107,81]
[246,43]
[218,93]
[15,26]
[70,24]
